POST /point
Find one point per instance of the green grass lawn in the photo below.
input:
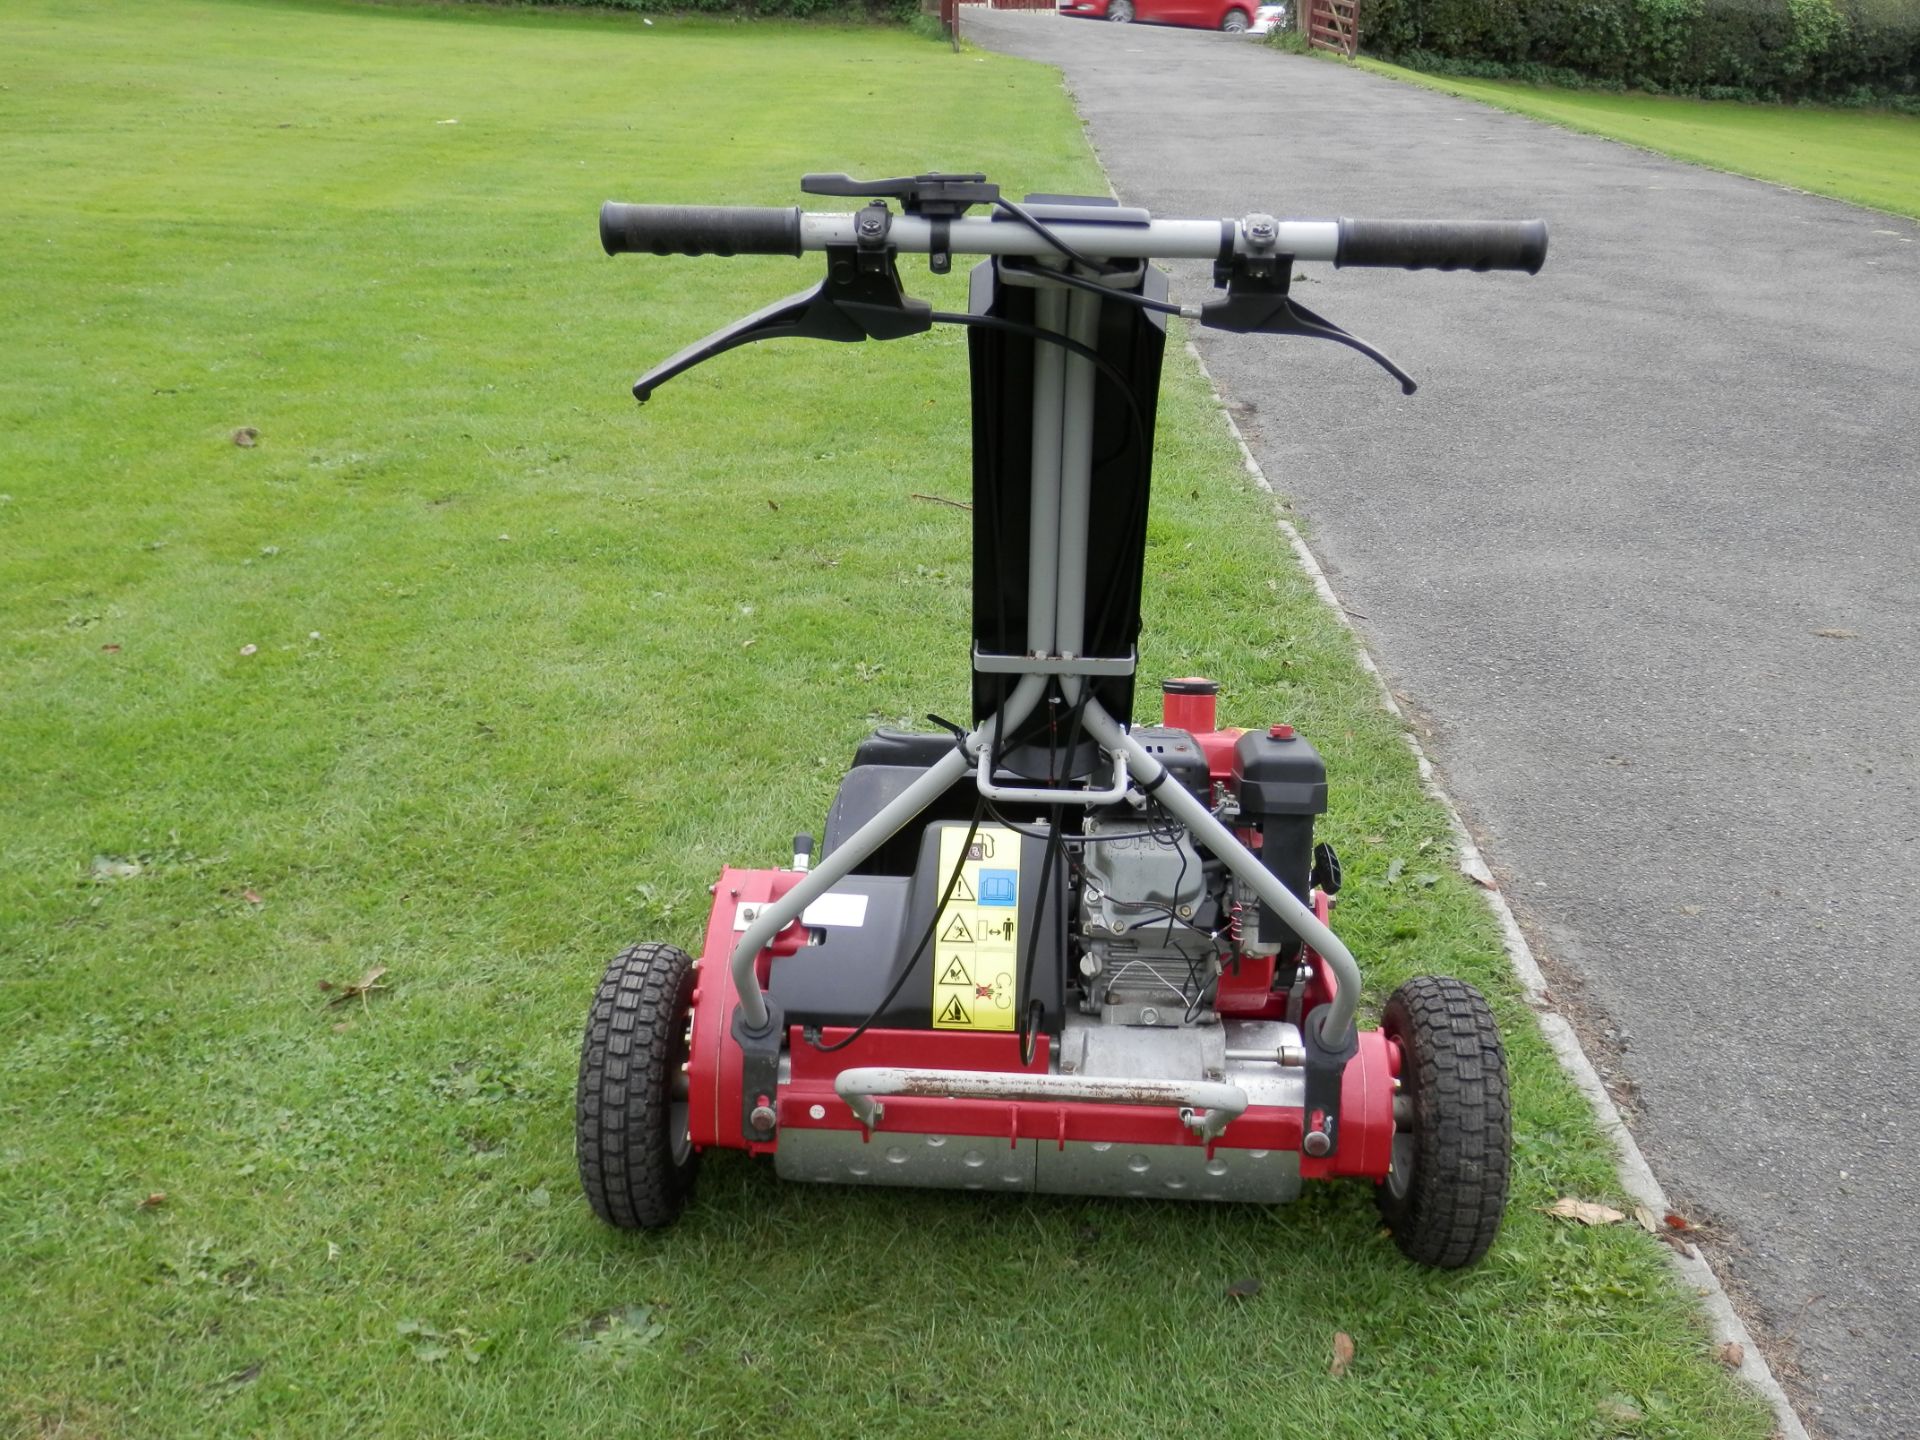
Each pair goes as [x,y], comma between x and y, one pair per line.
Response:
[471,670]
[1871,157]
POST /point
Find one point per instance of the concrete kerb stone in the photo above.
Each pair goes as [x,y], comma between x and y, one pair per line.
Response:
[1636,1176]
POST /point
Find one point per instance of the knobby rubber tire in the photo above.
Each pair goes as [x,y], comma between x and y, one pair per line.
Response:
[624,1107]
[1446,1212]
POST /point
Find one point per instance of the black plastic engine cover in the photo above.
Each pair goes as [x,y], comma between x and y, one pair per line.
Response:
[1281,782]
[847,970]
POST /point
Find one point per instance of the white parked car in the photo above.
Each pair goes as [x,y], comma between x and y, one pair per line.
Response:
[1268,18]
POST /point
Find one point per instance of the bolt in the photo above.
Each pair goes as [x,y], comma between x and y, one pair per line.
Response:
[1186,912]
[869,224]
[1262,230]
[761,1119]
[1317,1143]
[1149,1016]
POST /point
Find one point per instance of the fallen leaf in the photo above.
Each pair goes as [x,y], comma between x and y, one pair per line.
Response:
[111,649]
[1730,1353]
[1585,1211]
[246,437]
[1644,1218]
[252,897]
[539,1199]
[361,988]
[1342,1354]
[1679,1222]
[1243,1289]
[154,1201]
[771,505]
[244,1377]
[1837,634]
[249,649]
[1393,870]
[112,867]
[1619,1408]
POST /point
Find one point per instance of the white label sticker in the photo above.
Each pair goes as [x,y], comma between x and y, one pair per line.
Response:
[836,908]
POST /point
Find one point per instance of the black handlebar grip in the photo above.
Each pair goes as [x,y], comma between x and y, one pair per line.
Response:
[1444,244]
[699,229]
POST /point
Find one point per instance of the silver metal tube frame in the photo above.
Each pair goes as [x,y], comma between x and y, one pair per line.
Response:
[1158,239]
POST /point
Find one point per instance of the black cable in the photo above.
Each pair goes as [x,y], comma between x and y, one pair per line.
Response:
[1051,859]
[1039,228]
[926,939]
[1048,860]
[1053,337]
[1105,292]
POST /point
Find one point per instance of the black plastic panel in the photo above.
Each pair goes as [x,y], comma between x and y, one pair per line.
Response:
[1132,341]
[840,980]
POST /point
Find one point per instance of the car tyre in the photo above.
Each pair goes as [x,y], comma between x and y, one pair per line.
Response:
[1236,22]
[1120,12]
[1446,1192]
[637,1160]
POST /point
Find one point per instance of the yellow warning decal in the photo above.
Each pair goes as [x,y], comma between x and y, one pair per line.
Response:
[979,931]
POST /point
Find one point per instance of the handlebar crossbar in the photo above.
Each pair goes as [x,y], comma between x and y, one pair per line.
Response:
[1396,244]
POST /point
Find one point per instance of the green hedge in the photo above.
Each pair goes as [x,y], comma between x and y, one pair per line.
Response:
[1786,49]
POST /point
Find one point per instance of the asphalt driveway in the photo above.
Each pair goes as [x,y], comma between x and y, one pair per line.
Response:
[1644,554]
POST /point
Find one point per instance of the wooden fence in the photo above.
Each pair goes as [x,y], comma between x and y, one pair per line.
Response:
[1334,25]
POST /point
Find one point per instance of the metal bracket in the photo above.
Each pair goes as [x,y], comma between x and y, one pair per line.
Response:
[1325,1066]
[1051,664]
[759,1072]
[1115,792]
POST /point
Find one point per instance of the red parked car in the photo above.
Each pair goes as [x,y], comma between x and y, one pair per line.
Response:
[1231,15]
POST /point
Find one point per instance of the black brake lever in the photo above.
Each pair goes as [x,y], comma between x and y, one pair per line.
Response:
[861,299]
[1260,303]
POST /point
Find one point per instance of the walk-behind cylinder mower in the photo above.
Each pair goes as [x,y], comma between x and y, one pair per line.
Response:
[1055,950]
